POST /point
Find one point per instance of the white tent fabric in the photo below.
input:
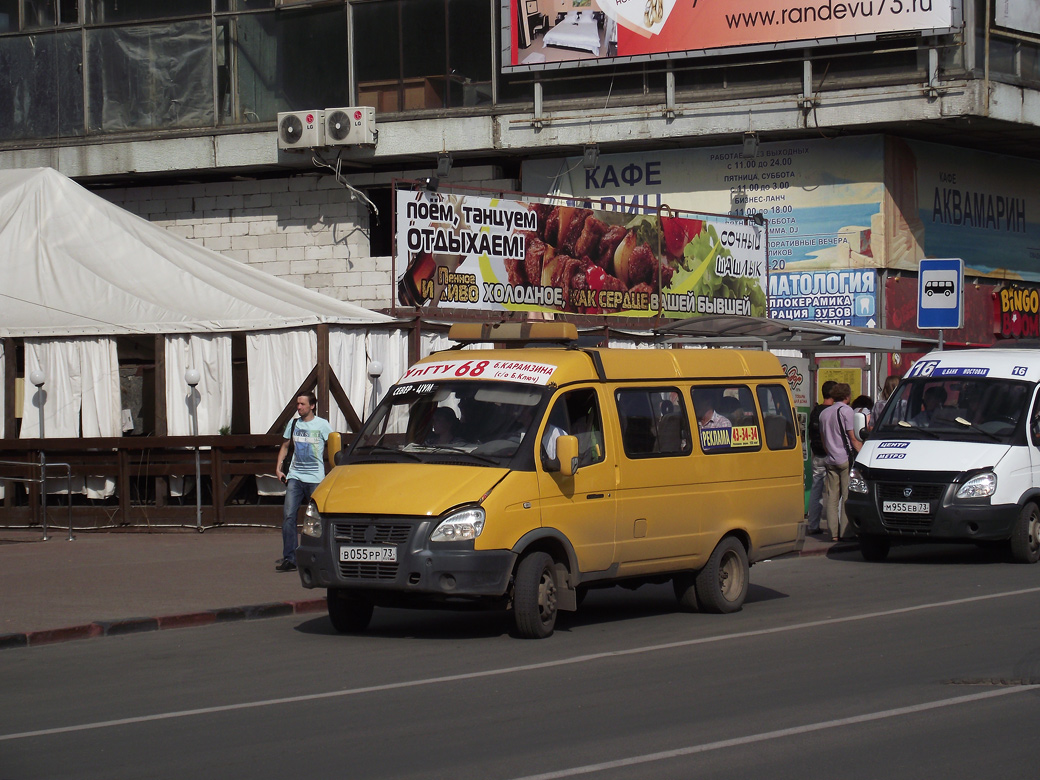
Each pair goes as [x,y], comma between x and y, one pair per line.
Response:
[74,264]
[80,398]
[277,362]
[348,359]
[211,357]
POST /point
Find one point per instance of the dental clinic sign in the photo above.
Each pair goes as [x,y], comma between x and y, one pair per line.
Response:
[835,297]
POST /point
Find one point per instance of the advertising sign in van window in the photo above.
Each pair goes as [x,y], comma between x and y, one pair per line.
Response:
[493,254]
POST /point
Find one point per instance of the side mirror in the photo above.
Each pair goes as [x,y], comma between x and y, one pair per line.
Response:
[333,447]
[567,455]
[859,425]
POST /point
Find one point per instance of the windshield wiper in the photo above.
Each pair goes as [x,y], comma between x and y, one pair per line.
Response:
[467,453]
[371,448]
[911,426]
[974,427]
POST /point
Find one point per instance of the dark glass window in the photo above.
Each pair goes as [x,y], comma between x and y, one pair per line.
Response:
[150,77]
[41,94]
[109,11]
[422,54]
[777,418]
[653,422]
[575,414]
[281,61]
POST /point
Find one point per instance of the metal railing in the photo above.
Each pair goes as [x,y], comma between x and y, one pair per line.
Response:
[41,480]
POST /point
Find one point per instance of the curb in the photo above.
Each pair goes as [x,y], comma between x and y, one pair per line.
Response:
[138,625]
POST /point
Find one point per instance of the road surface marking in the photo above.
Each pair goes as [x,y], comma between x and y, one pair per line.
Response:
[578,659]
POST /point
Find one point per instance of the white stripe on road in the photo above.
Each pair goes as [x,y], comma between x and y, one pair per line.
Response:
[579,659]
[779,734]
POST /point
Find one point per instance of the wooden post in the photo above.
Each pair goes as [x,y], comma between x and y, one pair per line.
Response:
[323,370]
[161,429]
[10,367]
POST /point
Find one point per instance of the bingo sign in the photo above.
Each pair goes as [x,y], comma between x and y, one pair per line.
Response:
[1017,313]
[492,370]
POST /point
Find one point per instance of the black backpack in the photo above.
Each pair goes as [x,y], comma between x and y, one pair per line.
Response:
[814,434]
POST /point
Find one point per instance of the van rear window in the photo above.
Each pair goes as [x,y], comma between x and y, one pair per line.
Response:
[777,419]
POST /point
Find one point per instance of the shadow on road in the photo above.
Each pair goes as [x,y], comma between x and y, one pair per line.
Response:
[909,553]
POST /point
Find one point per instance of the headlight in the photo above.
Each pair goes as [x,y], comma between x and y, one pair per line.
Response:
[460,527]
[856,482]
[311,520]
[981,486]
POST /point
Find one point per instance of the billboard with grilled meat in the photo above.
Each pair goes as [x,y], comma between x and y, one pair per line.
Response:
[494,254]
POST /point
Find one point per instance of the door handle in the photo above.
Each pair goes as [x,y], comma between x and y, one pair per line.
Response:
[595,495]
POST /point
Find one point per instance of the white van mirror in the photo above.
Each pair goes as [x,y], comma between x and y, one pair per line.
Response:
[567,455]
[859,425]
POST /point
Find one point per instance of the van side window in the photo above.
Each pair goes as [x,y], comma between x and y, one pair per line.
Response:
[575,414]
[777,419]
[727,420]
[653,422]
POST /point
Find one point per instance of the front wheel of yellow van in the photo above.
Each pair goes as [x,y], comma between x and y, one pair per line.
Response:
[534,596]
[722,584]
[349,615]
[1025,536]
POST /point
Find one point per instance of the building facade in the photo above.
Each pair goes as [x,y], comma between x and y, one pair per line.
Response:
[903,121]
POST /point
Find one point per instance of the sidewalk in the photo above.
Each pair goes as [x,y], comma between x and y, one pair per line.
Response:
[103,584]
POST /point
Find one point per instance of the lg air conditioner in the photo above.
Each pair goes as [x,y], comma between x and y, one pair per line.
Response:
[300,130]
[350,126]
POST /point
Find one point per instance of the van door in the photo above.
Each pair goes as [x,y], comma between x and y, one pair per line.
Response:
[581,507]
[658,518]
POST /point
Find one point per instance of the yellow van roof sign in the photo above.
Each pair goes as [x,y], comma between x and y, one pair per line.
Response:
[549,332]
[488,370]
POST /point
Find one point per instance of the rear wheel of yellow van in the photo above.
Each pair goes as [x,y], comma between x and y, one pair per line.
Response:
[721,586]
[534,596]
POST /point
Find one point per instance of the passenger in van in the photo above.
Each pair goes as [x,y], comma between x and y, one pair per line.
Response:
[730,408]
[934,398]
[707,417]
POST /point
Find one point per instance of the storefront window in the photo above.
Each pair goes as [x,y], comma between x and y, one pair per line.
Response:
[41,95]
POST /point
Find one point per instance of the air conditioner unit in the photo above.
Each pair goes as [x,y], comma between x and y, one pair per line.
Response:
[351,126]
[300,130]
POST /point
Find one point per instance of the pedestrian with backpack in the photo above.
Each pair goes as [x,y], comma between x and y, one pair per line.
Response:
[817,455]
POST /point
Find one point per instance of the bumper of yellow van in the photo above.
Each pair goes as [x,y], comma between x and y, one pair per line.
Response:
[436,572]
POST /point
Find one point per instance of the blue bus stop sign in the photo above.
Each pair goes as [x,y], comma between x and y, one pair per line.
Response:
[940,294]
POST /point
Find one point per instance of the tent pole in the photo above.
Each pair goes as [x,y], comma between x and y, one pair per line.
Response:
[323,368]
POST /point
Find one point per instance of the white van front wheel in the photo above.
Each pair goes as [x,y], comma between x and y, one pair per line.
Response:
[1025,537]
[722,584]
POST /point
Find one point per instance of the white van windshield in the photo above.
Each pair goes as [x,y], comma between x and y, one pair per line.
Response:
[479,423]
[956,408]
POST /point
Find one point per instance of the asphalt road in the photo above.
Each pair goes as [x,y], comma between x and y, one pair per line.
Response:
[926,666]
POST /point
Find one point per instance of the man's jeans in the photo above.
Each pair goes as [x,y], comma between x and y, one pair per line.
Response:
[296,493]
[819,469]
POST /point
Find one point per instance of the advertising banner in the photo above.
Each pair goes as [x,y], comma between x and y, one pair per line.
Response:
[823,200]
[493,254]
[604,29]
[1024,17]
[978,206]
[1016,313]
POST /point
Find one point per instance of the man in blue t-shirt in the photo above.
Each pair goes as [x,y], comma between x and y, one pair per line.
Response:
[308,437]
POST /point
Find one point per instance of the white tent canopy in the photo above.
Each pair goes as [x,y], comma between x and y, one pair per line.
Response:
[74,264]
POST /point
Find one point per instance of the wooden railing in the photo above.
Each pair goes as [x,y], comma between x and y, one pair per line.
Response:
[141,468]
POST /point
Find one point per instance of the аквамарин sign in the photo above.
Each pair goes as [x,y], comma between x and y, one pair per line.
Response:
[492,254]
[592,31]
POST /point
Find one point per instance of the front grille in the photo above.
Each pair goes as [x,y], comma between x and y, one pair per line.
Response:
[367,571]
[369,532]
[911,524]
[356,532]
